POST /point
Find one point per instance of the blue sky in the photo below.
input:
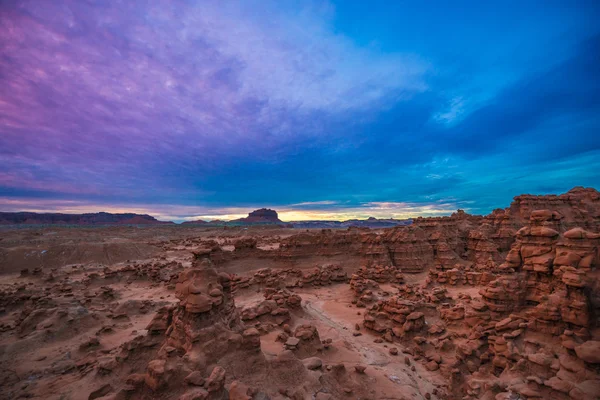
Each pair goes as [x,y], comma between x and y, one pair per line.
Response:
[205,109]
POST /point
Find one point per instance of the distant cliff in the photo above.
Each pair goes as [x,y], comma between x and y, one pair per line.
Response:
[101,218]
[262,216]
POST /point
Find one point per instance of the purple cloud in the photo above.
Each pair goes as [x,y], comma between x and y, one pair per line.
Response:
[98,93]
[211,104]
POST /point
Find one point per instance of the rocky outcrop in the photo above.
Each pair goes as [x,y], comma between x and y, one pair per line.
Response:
[549,278]
[367,279]
[263,216]
[408,248]
[394,316]
[533,331]
[205,341]
[274,310]
[378,273]
[549,271]
[326,243]
[322,275]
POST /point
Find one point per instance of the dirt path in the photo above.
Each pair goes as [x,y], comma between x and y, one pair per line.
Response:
[371,355]
[332,311]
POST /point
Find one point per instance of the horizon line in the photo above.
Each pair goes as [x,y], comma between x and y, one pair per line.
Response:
[231,218]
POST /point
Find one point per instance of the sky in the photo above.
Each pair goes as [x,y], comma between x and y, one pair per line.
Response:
[319,109]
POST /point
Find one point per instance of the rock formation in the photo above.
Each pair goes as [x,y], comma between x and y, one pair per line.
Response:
[503,306]
[261,216]
[547,285]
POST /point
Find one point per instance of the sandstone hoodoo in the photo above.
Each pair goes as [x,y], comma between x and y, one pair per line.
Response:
[502,306]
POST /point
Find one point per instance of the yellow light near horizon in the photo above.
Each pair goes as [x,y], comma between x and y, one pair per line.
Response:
[381,210]
[222,217]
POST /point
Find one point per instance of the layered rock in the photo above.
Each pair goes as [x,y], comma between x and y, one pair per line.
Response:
[549,278]
[471,244]
[327,243]
[292,277]
[503,228]
[408,249]
[575,264]
[533,333]
[551,270]
[579,207]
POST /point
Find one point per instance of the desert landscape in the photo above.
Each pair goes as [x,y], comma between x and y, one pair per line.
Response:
[299,200]
[503,306]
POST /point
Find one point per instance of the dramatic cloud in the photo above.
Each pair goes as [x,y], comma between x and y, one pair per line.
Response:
[186,108]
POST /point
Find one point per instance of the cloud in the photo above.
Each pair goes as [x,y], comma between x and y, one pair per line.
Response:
[570,89]
[295,60]
[316,203]
[102,94]
[455,110]
[213,108]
